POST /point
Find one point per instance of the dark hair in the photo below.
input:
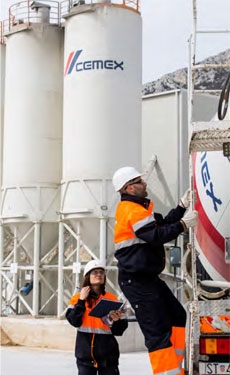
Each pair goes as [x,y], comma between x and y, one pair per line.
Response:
[92,297]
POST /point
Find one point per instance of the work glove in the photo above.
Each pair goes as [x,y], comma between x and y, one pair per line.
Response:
[190,219]
[186,199]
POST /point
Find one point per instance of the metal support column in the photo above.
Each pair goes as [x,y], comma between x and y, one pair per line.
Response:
[37,244]
[15,269]
[60,269]
[1,259]
[103,240]
[78,260]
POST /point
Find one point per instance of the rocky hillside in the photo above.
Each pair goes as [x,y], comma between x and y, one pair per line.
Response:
[205,79]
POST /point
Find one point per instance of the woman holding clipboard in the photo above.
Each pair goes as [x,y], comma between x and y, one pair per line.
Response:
[96,349]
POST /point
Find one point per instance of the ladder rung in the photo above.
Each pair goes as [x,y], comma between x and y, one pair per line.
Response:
[209,136]
[212,31]
[211,66]
[206,91]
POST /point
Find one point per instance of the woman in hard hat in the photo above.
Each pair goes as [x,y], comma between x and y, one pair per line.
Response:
[96,348]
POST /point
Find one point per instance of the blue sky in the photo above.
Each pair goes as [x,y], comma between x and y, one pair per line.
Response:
[167,26]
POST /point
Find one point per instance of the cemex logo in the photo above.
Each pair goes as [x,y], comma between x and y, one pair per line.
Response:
[208,183]
[73,64]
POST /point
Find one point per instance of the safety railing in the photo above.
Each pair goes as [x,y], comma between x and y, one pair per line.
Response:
[129,4]
[1,33]
[28,12]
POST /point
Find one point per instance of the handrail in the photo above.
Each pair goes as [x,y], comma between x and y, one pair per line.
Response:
[25,13]
[129,4]
[3,29]
[24,10]
[22,13]
[1,33]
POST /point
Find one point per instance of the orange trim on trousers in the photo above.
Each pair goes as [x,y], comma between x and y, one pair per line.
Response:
[178,341]
[164,361]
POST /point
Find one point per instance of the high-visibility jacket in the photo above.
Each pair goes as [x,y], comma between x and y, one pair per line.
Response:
[95,342]
[140,234]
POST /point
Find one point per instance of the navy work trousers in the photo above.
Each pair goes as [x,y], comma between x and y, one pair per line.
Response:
[88,370]
[156,308]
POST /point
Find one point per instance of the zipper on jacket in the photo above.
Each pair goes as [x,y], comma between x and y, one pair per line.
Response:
[95,364]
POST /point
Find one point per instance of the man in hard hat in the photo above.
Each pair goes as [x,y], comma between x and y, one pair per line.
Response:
[96,349]
[139,235]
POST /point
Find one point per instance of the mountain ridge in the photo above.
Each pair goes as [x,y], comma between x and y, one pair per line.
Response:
[205,78]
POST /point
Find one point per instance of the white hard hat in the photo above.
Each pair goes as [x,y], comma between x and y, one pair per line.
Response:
[92,265]
[123,175]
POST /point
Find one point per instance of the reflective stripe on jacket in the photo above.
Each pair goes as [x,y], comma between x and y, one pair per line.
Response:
[95,341]
[87,323]
[140,234]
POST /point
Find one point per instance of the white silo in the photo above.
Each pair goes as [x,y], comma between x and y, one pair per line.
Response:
[32,149]
[101,114]
[2,80]
[2,85]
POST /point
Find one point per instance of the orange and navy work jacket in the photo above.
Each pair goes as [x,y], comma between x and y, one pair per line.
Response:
[140,234]
[95,341]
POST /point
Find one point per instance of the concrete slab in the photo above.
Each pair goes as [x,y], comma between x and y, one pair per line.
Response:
[53,333]
[17,360]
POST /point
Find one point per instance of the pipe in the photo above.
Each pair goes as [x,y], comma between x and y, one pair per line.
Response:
[225,285]
[215,283]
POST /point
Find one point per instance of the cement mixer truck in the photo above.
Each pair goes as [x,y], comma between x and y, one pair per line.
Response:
[209,323]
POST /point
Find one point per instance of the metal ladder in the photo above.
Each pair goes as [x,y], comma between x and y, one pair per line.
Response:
[203,136]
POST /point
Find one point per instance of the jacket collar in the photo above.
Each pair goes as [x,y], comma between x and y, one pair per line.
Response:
[133,198]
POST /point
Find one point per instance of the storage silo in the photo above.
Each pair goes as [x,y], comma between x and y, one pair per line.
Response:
[32,152]
[101,115]
[2,78]
[2,86]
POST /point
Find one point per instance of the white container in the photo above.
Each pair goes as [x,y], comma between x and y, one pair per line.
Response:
[33,120]
[213,205]
[102,93]
[2,86]
[101,115]
[32,154]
